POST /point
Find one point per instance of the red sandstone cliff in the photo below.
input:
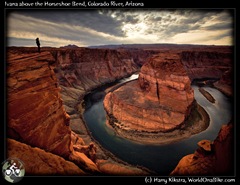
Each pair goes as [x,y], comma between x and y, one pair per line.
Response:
[210,64]
[36,116]
[225,84]
[88,68]
[211,158]
[35,113]
[205,64]
[164,80]
[39,162]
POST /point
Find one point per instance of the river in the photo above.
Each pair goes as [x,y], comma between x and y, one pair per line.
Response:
[159,158]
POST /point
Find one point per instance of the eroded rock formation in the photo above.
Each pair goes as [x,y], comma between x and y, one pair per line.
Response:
[160,101]
[215,63]
[226,83]
[211,158]
[39,162]
[85,69]
[35,112]
[207,64]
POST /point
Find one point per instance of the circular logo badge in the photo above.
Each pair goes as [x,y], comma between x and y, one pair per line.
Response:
[13,170]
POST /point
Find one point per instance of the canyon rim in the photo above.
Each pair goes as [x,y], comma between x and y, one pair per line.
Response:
[46,93]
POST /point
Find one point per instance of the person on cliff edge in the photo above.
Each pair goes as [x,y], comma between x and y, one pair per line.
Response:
[38,44]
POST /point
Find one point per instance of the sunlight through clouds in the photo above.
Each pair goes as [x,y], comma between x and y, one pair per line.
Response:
[202,37]
[102,27]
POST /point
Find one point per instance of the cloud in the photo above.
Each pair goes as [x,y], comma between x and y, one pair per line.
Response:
[99,27]
[219,26]
[204,37]
[92,19]
[49,30]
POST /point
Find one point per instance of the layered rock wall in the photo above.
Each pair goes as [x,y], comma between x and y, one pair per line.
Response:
[164,80]
[207,64]
[226,83]
[36,117]
[87,68]
[35,112]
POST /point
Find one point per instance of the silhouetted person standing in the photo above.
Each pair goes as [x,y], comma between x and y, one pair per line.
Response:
[38,44]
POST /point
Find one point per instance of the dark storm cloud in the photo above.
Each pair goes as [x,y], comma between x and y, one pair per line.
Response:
[93,19]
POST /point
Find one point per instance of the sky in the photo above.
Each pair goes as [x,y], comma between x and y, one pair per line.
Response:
[84,28]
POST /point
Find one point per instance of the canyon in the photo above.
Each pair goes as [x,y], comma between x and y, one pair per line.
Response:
[45,100]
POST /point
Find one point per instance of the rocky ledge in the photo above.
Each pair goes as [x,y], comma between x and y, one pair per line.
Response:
[211,158]
[160,101]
